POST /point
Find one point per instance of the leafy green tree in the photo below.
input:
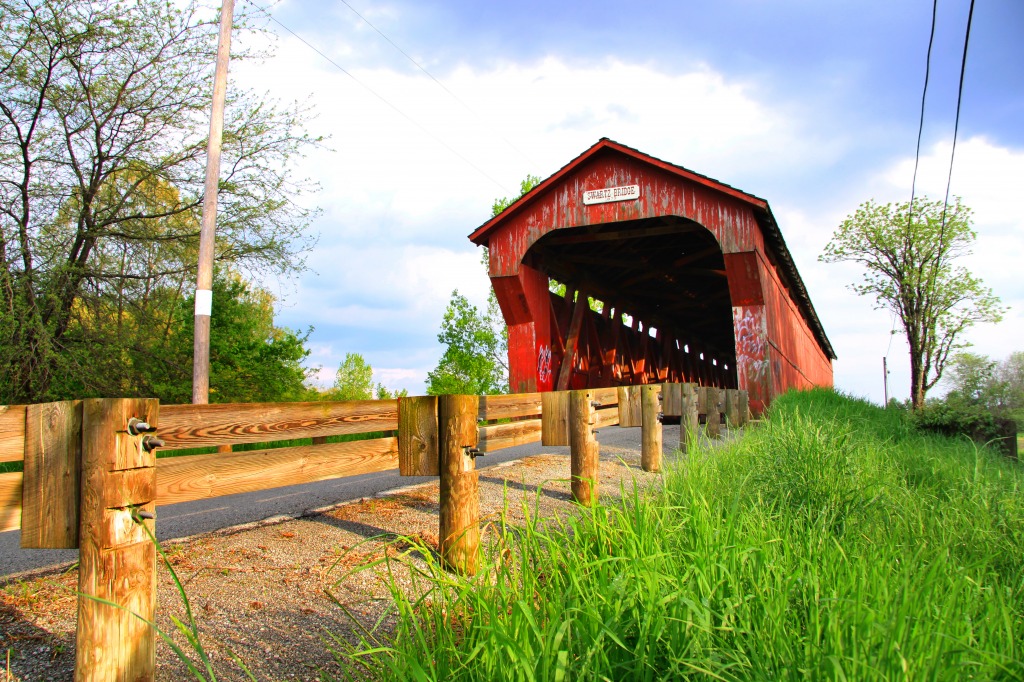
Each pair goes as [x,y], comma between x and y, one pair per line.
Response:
[996,386]
[1009,386]
[384,393]
[103,123]
[525,186]
[971,378]
[910,268]
[354,380]
[251,359]
[474,361]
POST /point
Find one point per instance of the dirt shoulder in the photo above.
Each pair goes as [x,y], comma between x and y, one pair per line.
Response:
[263,591]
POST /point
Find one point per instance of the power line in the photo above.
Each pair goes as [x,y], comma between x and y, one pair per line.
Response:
[959,98]
[380,97]
[920,124]
[431,76]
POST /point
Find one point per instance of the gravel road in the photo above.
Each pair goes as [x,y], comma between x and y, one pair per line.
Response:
[260,590]
[203,516]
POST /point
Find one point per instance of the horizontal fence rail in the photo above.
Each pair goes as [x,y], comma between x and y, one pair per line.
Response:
[504,421]
[10,501]
[183,479]
[193,477]
[91,478]
[12,433]
[524,411]
[196,426]
[515,406]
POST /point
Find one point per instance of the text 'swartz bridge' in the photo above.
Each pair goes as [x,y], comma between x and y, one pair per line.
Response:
[699,269]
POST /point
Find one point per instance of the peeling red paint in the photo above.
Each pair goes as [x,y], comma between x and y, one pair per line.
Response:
[778,342]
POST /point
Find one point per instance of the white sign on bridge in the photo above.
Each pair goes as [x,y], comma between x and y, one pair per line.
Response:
[609,194]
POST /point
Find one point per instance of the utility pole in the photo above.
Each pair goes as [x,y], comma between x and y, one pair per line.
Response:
[204,279]
[885,379]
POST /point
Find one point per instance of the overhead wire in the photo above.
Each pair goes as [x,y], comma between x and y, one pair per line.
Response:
[381,97]
[959,99]
[924,97]
[917,152]
[440,84]
[920,128]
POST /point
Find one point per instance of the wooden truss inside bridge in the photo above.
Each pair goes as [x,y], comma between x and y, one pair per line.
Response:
[644,303]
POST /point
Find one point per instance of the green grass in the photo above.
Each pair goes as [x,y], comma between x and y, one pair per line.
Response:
[833,542]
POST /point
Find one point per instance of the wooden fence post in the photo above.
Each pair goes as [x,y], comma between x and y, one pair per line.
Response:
[723,417]
[417,436]
[716,405]
[689,422]
[743,407]
[554,425]
[460,496]
[116,556]
[671,400]
[702,402]
[629,406]
[732,408]
[51,488]
[584,448]
[650,448]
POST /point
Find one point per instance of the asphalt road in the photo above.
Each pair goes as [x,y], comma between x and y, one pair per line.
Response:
[203,516]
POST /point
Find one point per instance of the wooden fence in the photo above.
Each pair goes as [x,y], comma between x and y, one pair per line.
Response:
[91,479]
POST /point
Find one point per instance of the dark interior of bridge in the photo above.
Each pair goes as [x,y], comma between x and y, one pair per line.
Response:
[668,272]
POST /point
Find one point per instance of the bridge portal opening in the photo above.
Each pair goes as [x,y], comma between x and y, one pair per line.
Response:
[642,301]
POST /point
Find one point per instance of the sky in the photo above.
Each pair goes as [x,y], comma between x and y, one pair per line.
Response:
[432,110]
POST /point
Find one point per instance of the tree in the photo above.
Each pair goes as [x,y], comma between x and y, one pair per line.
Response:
[525,186]
[474,361]
[103,122]
[383,393]
[252,359]
[971,378]
[911,271]
[1009,386]
[996,386]
[354,380]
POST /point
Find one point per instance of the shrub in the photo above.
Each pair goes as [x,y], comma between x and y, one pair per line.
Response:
[959,418]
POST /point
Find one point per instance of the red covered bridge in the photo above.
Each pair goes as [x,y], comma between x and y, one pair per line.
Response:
[670,276]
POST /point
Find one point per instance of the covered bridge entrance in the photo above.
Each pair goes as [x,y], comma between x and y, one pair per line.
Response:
[669,276]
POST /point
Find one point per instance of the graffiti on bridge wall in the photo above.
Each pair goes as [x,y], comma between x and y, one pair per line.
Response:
[752,361]
[543,365]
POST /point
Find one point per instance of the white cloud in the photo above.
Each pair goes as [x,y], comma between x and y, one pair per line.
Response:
[396,377]
[513,119]
[399,203]
[986,175]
